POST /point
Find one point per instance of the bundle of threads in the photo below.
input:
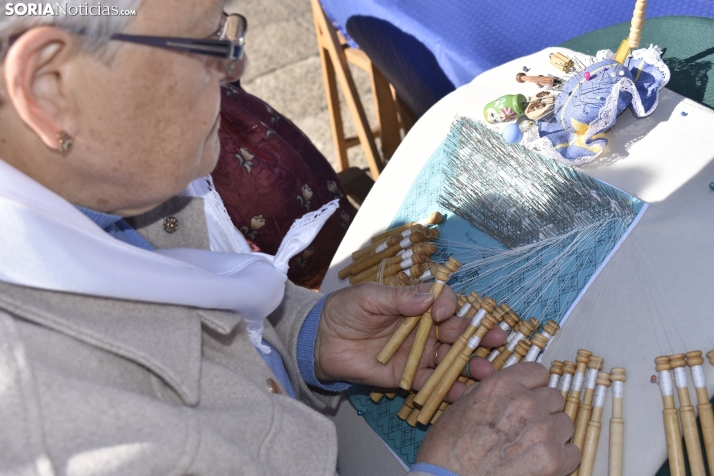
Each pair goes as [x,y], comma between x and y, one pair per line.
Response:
[397,257]
[584,386]
[526,340]
[685,415]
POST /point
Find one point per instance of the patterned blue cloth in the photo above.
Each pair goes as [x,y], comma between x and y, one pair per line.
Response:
[581,113]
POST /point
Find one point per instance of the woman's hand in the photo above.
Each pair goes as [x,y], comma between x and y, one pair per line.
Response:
[510,423]
[357,321]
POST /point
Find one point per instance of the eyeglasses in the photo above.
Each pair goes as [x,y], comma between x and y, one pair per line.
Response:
[229,45]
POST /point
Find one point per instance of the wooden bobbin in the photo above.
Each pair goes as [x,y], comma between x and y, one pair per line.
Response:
[422,335]
[638,21]
[433,219]
[687,416]
[392,239]
[442,388]
[377,394]
[538,343]
[572,403]
[372,274]
[550,328]
[510,322]
[566,380]
[412,418]
[706,416]
[556,371]
[431,234]
[617,424]
[460,300]
[584,410]
[518,354]
[369,261]
[408,324]
[407,408]
[438,413]
[540,80]
[500,313]
[535,323]
[465,304]
[411,253]
[394,280]
[592,437]
[710,356]
[675,451]
[525,329]
[438,374]
[496,352]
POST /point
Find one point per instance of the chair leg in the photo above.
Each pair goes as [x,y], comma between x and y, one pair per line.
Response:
[333,106]
[386,112]
[327,40]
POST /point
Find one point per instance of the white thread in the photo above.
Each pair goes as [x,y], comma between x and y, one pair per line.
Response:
[680,377]
[406,233]
[591,379]
[406,253]
[599,398]
[464,310]
[618,389]
[513,359]
[408,272]
[426,275]
[665,383]
[440,281]
[492,356]
[578,380]
[532,354]
[513,342]
[405,243]
[698,376]
[473,342]
[504,325]
[546,335]
[565,382]
[407,263]
[381,248]
[380,272]
[476,320]
[554,379]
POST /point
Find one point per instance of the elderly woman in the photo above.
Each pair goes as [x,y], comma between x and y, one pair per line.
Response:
[138,333]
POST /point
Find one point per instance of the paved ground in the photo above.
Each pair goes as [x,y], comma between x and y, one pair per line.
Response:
[285,70]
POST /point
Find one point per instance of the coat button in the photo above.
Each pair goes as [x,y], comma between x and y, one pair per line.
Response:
[273,386]
[170,225]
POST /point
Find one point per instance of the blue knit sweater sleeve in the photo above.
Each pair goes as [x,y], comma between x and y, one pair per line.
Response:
[306,347]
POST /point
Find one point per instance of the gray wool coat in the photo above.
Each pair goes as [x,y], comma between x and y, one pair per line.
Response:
[93,386]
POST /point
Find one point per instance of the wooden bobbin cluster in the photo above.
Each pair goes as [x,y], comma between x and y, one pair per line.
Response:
[672,374]
[426,405]
[398,257]
[584,386]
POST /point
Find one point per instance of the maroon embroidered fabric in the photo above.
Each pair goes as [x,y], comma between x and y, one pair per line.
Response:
[268,175]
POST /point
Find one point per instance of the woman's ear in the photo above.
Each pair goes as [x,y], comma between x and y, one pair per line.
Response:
[37,70]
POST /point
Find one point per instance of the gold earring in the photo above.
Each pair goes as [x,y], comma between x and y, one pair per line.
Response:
[65,141]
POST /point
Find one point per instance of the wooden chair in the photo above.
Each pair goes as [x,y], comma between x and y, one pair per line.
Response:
[392,114]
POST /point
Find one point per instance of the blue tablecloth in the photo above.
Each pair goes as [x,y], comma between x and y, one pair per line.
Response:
[428,48]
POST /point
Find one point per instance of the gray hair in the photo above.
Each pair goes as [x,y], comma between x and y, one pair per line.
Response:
[96,29]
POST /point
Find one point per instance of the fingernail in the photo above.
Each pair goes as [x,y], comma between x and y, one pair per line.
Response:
[424,298]
[440,314]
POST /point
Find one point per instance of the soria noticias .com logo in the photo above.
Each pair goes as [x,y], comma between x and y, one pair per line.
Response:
[57,9]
